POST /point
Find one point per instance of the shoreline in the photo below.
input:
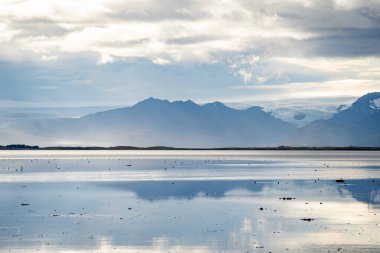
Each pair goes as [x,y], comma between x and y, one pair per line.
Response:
[322,148]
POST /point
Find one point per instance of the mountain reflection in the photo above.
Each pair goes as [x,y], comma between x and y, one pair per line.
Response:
[366,191]
[289,203]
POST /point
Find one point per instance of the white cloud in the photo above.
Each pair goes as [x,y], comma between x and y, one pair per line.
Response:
[354,68]
[332,65]
[49,57]
[246,66]
[316,95]
[260,42]
[161,61]
[247,76]
[345,4]
[117,29]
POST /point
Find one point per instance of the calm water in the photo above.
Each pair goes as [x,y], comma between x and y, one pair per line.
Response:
[187,201]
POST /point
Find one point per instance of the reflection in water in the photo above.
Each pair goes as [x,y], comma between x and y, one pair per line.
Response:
[367,191]
[188,215]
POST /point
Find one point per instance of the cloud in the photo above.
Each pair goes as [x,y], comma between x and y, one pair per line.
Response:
[316,95]
[160,61]
[244,65]
[188,31]
[253,41]
[336,68]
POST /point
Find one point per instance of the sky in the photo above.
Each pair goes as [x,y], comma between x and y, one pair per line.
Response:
[77,53]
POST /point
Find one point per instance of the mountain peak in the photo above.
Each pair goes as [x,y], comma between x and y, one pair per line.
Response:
[255,108]
[368,97]
[367,103]
[152,101]
[215,104]
[371,100]
[187,102]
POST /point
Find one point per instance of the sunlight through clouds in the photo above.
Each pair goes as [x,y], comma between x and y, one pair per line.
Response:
[202,48]
[110,31]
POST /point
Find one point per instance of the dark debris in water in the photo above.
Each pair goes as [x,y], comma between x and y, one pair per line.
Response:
[287,198]
[307,219]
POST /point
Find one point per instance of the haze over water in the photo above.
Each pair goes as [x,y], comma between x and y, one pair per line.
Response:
[189,201]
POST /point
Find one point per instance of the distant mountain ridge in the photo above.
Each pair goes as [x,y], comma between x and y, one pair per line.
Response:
[358,125]
[185,124]
[155,122]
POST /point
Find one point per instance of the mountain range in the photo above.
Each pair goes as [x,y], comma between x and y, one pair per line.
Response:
[358,125]
[154,122]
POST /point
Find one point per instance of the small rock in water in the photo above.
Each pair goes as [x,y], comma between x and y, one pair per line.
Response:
[287,198]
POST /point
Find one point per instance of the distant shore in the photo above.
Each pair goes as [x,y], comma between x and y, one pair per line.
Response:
[27,147]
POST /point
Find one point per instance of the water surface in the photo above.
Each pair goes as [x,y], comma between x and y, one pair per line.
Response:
[189,201]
